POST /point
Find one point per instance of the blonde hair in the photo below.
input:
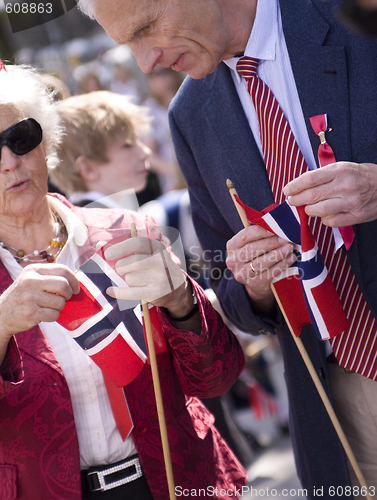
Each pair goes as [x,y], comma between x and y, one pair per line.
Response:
[92,122]
[23,88]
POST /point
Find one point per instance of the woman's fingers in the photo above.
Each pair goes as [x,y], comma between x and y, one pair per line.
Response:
[38,294]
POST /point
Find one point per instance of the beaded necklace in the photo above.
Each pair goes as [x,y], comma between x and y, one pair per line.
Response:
[50,253]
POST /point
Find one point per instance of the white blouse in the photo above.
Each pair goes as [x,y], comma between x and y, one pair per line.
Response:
[99,439]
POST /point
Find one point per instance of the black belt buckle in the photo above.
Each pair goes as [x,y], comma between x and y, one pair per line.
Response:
[96,480]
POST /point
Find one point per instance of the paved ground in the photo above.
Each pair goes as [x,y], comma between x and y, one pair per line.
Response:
[273,473]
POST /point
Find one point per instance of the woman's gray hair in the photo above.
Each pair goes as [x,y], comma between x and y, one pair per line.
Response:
[87,7]
[22,88]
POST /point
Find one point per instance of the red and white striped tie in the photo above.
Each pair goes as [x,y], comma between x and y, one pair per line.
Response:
[356,348]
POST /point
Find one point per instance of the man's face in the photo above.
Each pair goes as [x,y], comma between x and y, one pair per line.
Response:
[184,35]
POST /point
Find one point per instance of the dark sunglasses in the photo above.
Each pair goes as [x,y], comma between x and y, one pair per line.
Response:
[22,137]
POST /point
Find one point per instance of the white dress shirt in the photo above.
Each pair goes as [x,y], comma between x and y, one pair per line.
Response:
[267,43]
[99,439]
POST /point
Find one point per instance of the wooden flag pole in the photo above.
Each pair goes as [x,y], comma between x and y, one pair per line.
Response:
[309,366]
[157,391]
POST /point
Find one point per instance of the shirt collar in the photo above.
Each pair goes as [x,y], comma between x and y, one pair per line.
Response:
[262,41]
[77,233]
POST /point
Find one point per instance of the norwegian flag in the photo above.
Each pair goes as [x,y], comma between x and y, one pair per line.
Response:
[261,402]
[111,333]
[305,290]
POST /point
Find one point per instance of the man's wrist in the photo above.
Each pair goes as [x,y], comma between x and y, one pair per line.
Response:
[262,304]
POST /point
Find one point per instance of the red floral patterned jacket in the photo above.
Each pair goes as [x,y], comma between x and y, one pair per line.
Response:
[39,452]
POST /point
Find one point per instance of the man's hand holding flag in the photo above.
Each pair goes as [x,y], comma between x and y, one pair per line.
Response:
[305,289]
[306,243]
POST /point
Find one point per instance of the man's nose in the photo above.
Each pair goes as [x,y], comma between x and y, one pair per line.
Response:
[147,57]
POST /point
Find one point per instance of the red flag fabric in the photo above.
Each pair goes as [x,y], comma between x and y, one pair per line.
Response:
[98,325]
[157,331]
[119,407]
[316,300]
[262,403]
[111,332]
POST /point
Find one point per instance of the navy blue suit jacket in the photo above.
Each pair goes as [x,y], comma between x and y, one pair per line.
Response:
[335,73]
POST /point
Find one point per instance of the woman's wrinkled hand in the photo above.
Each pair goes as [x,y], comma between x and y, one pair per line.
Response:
[148,270]
[37,295]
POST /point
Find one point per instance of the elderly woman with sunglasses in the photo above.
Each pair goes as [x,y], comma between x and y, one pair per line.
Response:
[61,436]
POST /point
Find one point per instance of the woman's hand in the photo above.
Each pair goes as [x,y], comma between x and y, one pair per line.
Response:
[150,273]
[38,294]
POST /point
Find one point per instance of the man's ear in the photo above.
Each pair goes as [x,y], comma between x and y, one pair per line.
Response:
[87,168]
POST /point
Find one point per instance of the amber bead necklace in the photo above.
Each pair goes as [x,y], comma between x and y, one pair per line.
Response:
[50,253]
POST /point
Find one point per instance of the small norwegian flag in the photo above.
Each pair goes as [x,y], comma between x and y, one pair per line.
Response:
[109,332]
[262,402]
[305,290]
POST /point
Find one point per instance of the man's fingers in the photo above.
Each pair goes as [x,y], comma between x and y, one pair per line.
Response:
[327,207]
[310,179]
[268,247]
[37,314]
[130,263]
[273,248]
[139,293]
[282,265]
[131,293]
[270,259]
[250,241]
[253,233]
[57,285]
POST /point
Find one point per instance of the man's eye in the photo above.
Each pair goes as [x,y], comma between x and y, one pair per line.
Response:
[147,27]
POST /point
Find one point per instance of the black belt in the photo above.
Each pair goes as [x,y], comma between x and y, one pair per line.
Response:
[107,477]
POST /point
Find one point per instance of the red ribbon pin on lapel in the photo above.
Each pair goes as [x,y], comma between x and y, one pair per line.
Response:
[325,157]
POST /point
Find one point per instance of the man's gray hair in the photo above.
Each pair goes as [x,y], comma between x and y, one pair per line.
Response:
[87,7]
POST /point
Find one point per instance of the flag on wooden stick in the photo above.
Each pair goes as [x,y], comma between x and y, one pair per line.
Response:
[305,290]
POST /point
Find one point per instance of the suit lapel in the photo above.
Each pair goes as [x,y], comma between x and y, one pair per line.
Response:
[321,77]
[320,73]
[241,159]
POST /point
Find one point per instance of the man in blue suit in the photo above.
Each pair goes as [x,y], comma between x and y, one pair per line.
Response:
[313,65]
